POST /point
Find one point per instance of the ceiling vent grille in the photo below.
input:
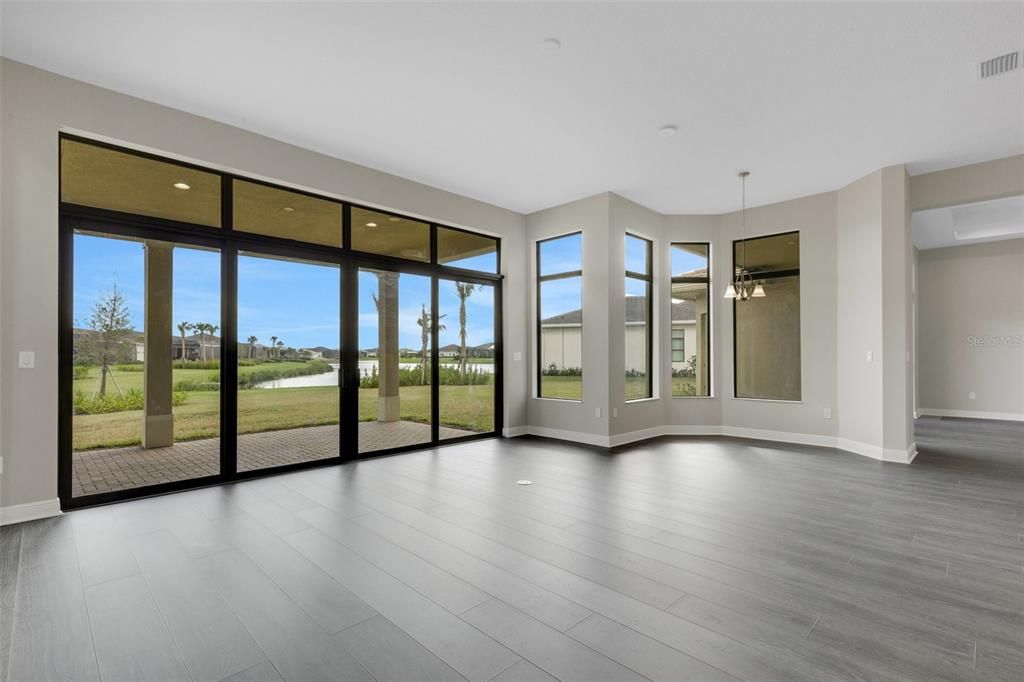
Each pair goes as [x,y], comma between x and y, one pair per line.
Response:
[1000,64]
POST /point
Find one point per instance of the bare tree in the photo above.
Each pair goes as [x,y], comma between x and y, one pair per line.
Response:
[111,321]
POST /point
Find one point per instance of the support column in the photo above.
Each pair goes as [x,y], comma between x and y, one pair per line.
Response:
[158,419]
[387,347]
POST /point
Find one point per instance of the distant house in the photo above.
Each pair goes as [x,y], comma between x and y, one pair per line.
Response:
[562,336]
[311,353]
[450,351]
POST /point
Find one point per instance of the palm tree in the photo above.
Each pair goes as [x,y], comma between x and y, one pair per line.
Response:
[213,329]
[464,291]
[273,343]
[424,323]
[252,345]
[201,327]
[280,346]
[182,328]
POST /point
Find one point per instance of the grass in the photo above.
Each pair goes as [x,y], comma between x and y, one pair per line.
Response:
[563,387]
[570,388]
[465,407]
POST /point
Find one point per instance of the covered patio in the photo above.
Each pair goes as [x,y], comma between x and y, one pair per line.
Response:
[113,469]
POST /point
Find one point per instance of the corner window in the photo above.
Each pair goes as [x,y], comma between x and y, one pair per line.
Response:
[691,320]
[766,317]
[560,317]
[638,318]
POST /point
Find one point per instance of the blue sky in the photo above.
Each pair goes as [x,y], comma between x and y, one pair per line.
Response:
[297,302]
[683,261]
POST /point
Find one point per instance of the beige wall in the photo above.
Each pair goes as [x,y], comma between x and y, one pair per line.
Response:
[967,184]
[36,105]
[971,329]
[590,216]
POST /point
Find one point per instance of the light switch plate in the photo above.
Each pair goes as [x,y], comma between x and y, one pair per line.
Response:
[517,355]
[828,413]
[597,412]
[971,395]
[870,356]
[26,359]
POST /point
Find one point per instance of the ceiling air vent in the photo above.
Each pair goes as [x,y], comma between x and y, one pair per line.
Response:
[1000,64]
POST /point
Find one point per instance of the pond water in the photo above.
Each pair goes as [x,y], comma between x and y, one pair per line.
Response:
[331,378]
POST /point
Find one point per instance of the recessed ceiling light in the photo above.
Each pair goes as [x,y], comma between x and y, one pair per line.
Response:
[371,224]
[287,209]
[394,219]
[551,44]
[182,185]
[667,131]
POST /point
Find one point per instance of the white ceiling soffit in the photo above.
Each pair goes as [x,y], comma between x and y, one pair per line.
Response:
[985,221]
[470,97]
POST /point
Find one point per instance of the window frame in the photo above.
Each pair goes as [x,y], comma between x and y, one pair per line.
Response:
[540,279]
[775,274]
[229,241]
[648,279]
[706,280]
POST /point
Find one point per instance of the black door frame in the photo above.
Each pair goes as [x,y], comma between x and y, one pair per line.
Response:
[229,242]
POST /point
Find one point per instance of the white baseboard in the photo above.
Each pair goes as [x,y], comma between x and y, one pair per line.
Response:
[615,440]
[19,513]
[780,436]
[514,431]
[574,436]
[972,414]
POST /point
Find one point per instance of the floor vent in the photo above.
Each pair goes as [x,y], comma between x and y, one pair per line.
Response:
[1001,64]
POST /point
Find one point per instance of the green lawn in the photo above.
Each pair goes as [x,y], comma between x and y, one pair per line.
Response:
[570,388]
[466,407]
[565,388]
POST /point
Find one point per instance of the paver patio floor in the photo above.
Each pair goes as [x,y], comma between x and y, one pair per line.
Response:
[111,469]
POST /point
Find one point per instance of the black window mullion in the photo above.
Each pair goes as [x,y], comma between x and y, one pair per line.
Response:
[229,362]
[349,358]
[435,368]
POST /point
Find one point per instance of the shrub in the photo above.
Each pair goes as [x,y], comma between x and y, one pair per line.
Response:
[554,370]
[130,367]
[448,375]
[115,402]
[81,371]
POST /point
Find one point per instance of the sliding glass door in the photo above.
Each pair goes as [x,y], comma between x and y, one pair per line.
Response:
[395,356]
[466,358]
[289,336]
[214,328]
[145,381]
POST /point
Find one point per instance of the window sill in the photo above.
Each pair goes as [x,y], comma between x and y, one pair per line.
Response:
[641,400]
[770,400]
[694,397]
[558,400]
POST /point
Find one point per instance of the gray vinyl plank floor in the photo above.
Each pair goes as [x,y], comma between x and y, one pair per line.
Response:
[672,559]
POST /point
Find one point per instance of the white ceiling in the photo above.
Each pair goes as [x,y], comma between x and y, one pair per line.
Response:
[985,221]
[809,96]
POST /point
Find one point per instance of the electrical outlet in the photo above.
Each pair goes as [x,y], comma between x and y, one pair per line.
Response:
[870,356]
[971,395]
[517,355]
[615,412]
[828,413]
[597,412]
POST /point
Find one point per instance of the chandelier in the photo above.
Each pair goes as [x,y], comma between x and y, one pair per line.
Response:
[743,287]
